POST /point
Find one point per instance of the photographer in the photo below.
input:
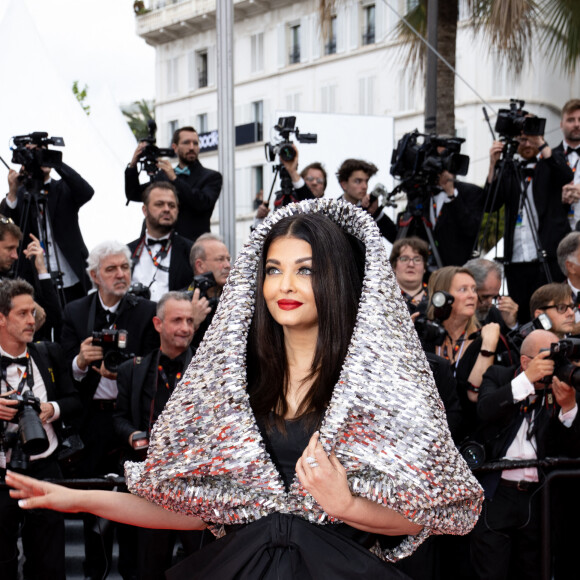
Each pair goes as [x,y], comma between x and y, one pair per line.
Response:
[30,371]
[555,300]
[160,258]
[211,263]
[145,385]
[198,188]
[526,417]
[300,189]
[491,306]
[535,218]
[110,308]
[53,218]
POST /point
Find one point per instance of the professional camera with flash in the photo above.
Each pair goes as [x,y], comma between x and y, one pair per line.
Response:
[151,153]
[283,146]
[512,122]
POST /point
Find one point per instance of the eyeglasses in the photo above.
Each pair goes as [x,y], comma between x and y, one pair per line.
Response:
[317,180]
[414,259]
[560,308]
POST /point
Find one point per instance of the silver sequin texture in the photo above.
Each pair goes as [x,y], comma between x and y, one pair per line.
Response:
[385,421]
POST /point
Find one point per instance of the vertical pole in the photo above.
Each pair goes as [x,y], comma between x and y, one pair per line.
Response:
[226,128]
[431,72]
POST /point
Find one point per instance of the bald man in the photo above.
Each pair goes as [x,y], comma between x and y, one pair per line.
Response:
[526,413]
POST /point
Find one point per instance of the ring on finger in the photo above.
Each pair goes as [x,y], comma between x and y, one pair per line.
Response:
[311,460]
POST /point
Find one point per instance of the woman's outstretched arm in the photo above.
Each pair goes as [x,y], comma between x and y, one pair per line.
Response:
[111,505]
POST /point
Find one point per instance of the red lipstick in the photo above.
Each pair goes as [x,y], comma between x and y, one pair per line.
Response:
[289,304]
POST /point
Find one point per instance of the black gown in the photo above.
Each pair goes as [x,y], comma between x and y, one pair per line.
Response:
[287,547]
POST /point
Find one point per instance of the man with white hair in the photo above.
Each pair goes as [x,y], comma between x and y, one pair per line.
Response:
[107,311]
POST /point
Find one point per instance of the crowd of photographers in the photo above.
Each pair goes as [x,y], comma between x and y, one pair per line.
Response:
[502,352]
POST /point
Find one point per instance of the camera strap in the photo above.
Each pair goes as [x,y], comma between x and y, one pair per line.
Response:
[161,374]
[27,378]
[160,255]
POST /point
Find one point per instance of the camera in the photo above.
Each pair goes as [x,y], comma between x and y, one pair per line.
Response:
[473,452]
[31,434]
[420,158]
[113,342]
[139,289]
[151,153]
[204,282]
[284,148]
[431,332]
[563,353]
[512,122]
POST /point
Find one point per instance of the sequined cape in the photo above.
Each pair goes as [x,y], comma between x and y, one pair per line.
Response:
[385,421]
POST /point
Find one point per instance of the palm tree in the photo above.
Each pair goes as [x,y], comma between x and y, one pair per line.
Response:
[512,27]
[138,114]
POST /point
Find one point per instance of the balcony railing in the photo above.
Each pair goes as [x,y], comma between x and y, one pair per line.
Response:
[294,56]
[368,36]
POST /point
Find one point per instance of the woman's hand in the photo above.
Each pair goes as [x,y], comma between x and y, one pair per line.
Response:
[33,493]
[324,478]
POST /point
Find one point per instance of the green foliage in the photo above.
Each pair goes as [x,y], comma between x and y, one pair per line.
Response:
[81,96]
[137,116]
[492,229]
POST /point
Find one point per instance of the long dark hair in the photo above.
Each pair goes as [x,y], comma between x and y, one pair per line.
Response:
[338,266]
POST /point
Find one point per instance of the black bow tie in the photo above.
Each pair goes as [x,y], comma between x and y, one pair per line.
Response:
[152,242]
[6,361]
[572,150]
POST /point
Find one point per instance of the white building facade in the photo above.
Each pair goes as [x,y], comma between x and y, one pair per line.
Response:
[282,62]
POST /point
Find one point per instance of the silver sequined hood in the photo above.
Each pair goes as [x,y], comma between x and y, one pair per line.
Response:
[385,422]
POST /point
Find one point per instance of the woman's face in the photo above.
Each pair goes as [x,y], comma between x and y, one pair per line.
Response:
[463,291]
[288,284]
[409,271]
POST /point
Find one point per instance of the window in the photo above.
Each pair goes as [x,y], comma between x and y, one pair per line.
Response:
[366,104]
[172,127]
[202,69]
[258,117]
[173,76]
[368,36]
[406,90]
[202,124]
[328,99]
[330,46]
[257,52]
[293,102]
[294,56]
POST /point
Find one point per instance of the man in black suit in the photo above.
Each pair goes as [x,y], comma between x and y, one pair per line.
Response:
[209,256]
[109,308]
[160,258]
[522,417]
[38,370]
[536,225]
[54,220]
[198,188]
[145,385]
[570,148]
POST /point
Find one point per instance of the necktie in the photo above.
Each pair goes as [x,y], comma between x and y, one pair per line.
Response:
[6,361]
[182,171]
[153,242]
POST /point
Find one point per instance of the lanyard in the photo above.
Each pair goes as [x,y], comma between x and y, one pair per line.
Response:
[165,382]
[155,258]
[27,377]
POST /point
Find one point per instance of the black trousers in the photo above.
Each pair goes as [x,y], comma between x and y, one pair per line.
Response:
[42,533]
[505,543]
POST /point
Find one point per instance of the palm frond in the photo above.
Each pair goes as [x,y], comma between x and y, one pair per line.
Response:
[560,32]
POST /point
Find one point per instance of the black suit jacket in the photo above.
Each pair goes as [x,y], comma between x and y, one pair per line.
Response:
[456,228]
[197,192]
[501,419]
[50,360]
[64,199]
[550,175]
[135,315]
[180,272]
[133,379]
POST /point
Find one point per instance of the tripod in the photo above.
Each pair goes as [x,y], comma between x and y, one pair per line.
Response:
[524,204]
[35,205]
[414,220]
